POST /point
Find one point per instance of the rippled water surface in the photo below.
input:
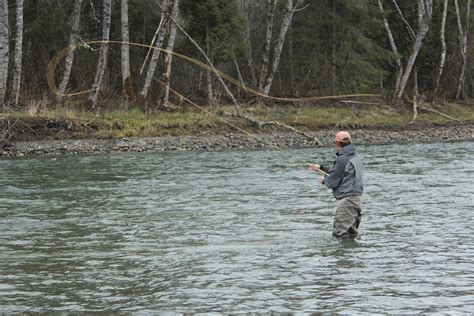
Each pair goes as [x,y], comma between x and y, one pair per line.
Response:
[236,231]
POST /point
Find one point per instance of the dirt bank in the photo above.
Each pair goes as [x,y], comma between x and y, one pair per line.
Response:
[393,134]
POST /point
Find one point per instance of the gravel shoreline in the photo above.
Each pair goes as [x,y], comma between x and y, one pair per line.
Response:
[229,141]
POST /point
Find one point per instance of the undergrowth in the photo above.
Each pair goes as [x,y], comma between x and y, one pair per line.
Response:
[117,122]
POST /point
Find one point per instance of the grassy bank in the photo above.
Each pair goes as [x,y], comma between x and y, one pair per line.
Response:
[69,122]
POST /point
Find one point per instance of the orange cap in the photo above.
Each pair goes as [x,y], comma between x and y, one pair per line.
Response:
[343,136]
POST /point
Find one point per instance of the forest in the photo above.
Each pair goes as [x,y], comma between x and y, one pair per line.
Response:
[159,55]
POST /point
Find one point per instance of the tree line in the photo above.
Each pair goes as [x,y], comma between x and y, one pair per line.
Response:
[397,48]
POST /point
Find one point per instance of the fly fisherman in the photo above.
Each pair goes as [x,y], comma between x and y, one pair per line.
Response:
[345,180]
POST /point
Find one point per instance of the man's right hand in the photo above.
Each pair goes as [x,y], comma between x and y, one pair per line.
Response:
[314,167]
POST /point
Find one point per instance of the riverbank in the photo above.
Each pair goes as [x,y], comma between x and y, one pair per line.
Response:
[408,134]
[69,130]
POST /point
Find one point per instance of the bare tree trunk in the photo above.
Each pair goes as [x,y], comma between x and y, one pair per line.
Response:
[415,82]
[291,62]
[416,95]
[415,110]
[271,6]
[248,44]
[18,53]
[393,45]
[104,47]
[463,35]
[4,49]
[425,10]
[239,75]
[290,10]
[127,83]
[398,61]
[153,41]
[166,12]
[333,52]
[169,55]
[210,93]
[443,48]
[75,23]
[250,61]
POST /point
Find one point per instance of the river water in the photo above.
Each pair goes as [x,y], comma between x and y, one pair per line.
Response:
[236,231]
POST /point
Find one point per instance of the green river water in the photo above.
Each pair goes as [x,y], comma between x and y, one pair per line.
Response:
[236,231]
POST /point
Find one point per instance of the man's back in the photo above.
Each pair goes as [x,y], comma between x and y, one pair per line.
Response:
[345,178]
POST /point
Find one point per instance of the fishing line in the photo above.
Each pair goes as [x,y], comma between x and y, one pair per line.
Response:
[307,186]
[54,62]
[260,139]
[286,153]
[59,56]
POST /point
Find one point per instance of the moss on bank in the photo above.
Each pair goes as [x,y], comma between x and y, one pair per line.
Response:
[67,122]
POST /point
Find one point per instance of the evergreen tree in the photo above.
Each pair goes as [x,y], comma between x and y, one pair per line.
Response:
[217,22]
[218,27]
[338,47]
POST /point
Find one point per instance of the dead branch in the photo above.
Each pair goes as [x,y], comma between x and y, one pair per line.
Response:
[407,25]
[360,102]
[440,113]
[417,106]
[415,111]
[6,133]
[261,124]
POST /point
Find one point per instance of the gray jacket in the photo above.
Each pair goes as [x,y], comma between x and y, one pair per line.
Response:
[345,176]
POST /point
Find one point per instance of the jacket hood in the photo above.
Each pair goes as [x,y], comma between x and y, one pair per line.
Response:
[348,150]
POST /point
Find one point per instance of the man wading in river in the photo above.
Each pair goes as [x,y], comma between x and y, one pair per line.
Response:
[345,180]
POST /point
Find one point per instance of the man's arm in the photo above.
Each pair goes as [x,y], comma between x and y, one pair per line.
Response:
[336,173]
[319,168]
[325,169]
